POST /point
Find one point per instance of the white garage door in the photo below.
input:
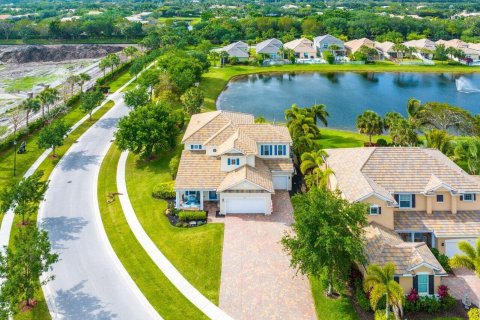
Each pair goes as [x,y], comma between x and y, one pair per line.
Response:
[249,205]
[280,182]
[451,246]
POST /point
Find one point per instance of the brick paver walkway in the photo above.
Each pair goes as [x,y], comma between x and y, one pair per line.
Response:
[464,282]
[257,281]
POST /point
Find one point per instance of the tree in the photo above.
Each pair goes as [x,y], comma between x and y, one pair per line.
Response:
[16,117]
[90,101]
[370,123]
[327,235]
[319,112]
[149,78]
[136,97]
[113,61]
[30,105]
[439,139]
[379,282]
[147,129]
[104,64]
[23,266]
[468,152]
[312,167]
[48,97]
[260,119]
[302,128]
[470,258]
[72,81]
[444,116]
[83,77]
[403,133]
[130,51]
[192,100]
[52,136]
[24,197]
[6,27]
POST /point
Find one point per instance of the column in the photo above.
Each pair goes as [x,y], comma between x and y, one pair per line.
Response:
[201,200]
[454,204]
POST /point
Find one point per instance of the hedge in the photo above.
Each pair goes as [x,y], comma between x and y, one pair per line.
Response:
[164,191]
[110,76]
[192,215]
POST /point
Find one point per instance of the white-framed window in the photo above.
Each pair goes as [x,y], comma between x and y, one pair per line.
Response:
[405,201]
[422,284]
[195,147]
[233,161]
[273,150]
[374,210]
[468,197]
[325,46]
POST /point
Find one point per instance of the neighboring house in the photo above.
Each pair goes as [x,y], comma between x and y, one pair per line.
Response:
[325,43]
[415,195]
[303,48]
[470,52]
[386,49]
[271,47]
[232,164]
[425,47]
[237,49]
[354,45]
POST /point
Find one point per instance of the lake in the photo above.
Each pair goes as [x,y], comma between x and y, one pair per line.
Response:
[347,94]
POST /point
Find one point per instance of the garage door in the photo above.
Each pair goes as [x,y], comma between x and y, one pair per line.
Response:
[280,182]
[245,206]
[451,246]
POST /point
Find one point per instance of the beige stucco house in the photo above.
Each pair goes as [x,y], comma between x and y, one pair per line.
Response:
[233,163]
[418,198]
[303,48]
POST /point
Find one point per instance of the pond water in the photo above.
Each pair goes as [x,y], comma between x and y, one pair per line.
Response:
[347,94]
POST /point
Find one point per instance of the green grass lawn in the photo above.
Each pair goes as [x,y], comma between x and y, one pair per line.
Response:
[196,252]
[214,81]
[163,296]
[120,81]
[26,83]
[40,312]
[331,309]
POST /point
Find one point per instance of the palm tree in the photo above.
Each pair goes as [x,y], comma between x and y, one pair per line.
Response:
[379,282]
[370,123]
[470,259]
[333,49]
[312,167]
[48,97]
[30,105]
[319,112]
[438,139]
[399,48]
[223,58]
[130,51]
[214,55]
[83,77]
[468,152]
[72,81]
[103,65]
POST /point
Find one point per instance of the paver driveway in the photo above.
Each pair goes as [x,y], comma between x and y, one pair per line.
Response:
[464,282]
[257,281]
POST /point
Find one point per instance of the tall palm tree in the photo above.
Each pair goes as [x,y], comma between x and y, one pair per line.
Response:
[84,77]
[319,112]
[30,105]
[439,139]
[470,259]
[72,81]
[47,97]
[469,152]
[370,123]
[379,282]
[312,167]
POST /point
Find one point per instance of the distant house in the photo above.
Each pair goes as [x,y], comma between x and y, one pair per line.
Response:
[325,43]
[270,47]
[237,49]
[354,45]
[425,47]
[470,53]
[387,50]
[303,48]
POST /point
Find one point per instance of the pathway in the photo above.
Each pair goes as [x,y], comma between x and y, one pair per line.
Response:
[257,280]
[463,282]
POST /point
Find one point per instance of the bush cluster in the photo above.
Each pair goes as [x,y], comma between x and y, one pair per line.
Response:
[474,314]
[192,215]
[164,191]
[443,259]
[430,304]
[361,296]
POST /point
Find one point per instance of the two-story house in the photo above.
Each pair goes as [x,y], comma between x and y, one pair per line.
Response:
[303,48]
[418,199]
[231,161]
[329,43]
[237,50]
[272,48]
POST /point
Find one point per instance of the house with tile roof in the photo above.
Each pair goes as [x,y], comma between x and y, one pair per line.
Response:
[387,50]
[470,52]
[425,47]
[237,49]
[325,43]
[271,48]
[303,48]
[416,197]
[233,164]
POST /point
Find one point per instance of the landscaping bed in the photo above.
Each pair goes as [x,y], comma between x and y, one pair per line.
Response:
[184,218]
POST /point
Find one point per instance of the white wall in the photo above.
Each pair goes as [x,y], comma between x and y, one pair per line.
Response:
[225,167]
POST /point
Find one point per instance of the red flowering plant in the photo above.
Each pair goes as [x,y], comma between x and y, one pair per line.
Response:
[443,291]
[413,296]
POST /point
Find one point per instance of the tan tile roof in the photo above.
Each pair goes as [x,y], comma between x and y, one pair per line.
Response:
[362,171]
[198,171]
[443,224]
[383,245]
[421,44]
[386,46]
[356,44]
[260,175]
[300,45]
[239,141]
[279,164]
[264,132]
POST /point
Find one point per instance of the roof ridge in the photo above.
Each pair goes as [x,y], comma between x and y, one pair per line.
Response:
[219,131]
[218,112]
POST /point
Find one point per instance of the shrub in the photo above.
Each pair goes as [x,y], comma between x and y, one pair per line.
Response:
[380,315]
[448,302]
[192,215]
[173,166]
[474,314]
[429,304]
[382,142]
[164,191]
[361,297]
[442,259]
[328,56]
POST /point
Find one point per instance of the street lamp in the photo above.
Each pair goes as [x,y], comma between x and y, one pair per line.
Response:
[15,159]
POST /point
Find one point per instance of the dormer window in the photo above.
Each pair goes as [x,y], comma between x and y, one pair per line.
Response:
[195,147]
[233,161]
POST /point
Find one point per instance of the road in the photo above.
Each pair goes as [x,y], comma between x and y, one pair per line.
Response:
[90,281]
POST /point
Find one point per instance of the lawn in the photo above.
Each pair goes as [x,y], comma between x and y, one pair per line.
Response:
[196,252]
[331,309]
[40,312]
[214,81]
[120,81]
[26,83]
[159,291]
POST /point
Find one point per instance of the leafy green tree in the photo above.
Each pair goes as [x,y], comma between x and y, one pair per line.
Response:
[52,136]
[440,53]
[136,97]
[90,101]
[104,64]
[148,129]
[173,166]
[30,105]
[23,266]
[391,118]
[24,197]
[380,283]
[149,79]
[439,139]
[370,123]
[130,51]
[468,152]
[328,56]
[403,133]
[470,258]
[327,235]
[48,97]
[444,116]
[192,100]
[260,119]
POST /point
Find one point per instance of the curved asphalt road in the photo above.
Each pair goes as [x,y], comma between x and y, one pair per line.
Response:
[90,281]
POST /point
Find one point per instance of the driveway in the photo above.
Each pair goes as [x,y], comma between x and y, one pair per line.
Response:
[464,282]
[257,280]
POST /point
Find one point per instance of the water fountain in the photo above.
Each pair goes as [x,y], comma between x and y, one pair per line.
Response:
[466,86]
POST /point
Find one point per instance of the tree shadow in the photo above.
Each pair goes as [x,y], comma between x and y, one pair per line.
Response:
[78,161]
[76,304]
[61,229]
[107,123]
